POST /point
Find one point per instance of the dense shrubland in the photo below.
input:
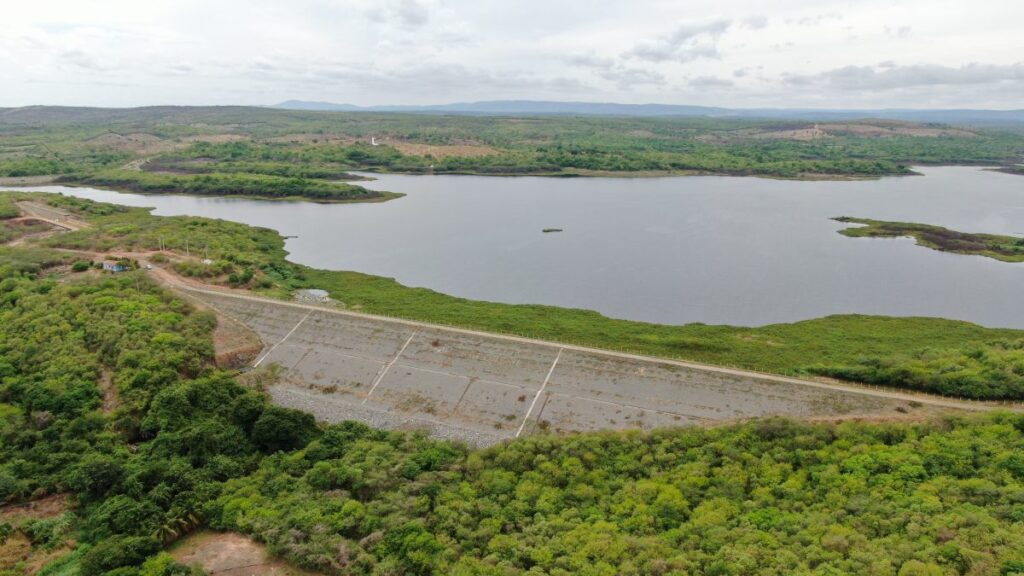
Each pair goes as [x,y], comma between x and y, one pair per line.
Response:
[768,497]
[235,184]
[107,391]
[537,159]
[993,371]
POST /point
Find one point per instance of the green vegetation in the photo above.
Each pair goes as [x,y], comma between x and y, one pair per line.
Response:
[108,394]
[993,370]
[770,497]
[1005,248]
[107,391]
[325,145]
[7,208]
[569,159]
[260,185]
[838,346]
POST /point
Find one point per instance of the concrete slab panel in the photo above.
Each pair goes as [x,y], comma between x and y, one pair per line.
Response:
[561,413]
[513,363]
[431,395]
[327,370]
[352,336]
[489,405]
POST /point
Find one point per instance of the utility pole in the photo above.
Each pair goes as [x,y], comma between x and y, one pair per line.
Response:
[187,253]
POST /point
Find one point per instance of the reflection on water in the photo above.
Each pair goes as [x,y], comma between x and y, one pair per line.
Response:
[745,251]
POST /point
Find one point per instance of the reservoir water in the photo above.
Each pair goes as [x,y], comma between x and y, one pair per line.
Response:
[718,250]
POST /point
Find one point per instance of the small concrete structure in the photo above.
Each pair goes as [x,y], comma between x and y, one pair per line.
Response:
[312,295]
[110,266]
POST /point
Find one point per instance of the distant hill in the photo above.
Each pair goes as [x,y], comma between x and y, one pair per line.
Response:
[525,107]
[317,106]
[59,115]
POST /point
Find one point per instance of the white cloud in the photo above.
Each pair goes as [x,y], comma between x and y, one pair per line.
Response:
[710,82]
[890,76]
[805,53]
[404,13]
[688,42]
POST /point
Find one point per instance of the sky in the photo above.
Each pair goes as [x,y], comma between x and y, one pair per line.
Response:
[731,53]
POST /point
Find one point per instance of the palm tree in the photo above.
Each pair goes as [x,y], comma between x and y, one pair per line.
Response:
[177,525]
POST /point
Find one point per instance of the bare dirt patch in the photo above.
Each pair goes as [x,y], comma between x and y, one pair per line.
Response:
[313,139]
[215,138]
[234,344]
[818,131]
[230,554]
[883,129]
[17,553]
[799,134]
[52,215]
[108,390]
[21,230]
[48,507]
[136,142]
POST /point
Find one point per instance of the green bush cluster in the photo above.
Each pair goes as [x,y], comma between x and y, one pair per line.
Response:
[33,167]
[107,391]
[556,158]
[7,207]
[994,372]
[222,185]
[767,497]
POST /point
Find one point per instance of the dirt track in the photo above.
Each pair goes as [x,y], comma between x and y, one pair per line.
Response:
[51,215]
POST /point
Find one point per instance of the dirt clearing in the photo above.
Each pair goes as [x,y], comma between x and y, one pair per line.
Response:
[230,554]
[17,553]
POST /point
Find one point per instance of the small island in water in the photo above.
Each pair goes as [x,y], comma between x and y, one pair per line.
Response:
[1005,248]
[550,230]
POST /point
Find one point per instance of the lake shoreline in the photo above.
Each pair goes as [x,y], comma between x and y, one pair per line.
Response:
[669,250]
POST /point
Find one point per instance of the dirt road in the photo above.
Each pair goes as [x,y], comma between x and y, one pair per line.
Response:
[51,215]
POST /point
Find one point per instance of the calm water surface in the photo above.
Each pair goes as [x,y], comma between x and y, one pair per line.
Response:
[744,251]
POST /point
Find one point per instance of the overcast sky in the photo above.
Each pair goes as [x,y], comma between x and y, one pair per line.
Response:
[737,53]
